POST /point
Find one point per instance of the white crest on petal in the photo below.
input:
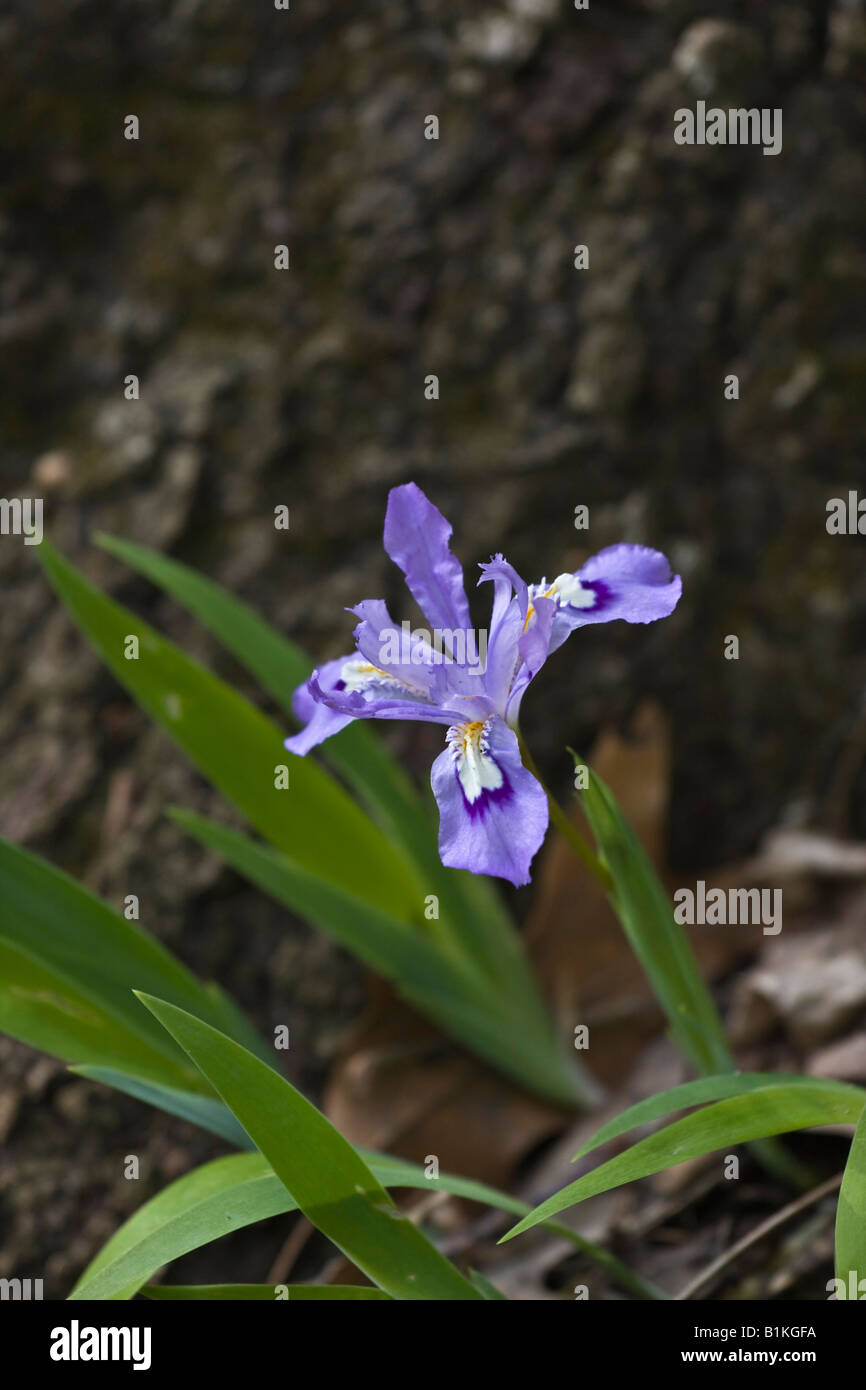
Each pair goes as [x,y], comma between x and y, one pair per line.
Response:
[476,770]
[567,590]
[364,677]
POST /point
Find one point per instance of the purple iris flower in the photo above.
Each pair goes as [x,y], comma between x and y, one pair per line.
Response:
[493,811]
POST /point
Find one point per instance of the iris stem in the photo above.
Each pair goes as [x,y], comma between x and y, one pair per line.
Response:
[565,827]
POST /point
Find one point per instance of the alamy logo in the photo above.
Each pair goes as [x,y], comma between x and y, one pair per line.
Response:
[20,1290]
[846,517]
[77,1343]
[737,126]
[855,1288]
[421,647]
[22,518]
[738,907]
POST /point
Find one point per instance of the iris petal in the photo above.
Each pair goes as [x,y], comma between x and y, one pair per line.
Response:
[492,811]
[320,721]
[416,538]
[631,582]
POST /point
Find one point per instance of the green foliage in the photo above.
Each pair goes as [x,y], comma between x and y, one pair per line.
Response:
[230,1193]
[664,950]
[654,935]
[851,1216]
[331,1183]
[363,870]
[314,822]
[364,882]
[777,1107]
[67,966]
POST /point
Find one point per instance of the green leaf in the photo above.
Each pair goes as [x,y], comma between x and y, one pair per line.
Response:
[773,1109]
[280,666]
[851,1216]
[42,1008]
[277,663]
[229,1193]
[314,822]
[429,973]
[399,1172]
[657,939]
[204,1111]
[331,1183]
[485,1288]
[264,1293]
[666,954]
[212,1201]
[68,963]
[406,954]
[682,1097]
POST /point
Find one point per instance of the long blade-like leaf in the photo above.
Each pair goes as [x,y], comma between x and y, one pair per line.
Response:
[331,1183]
[851,1216]
[428,973]
[82,950]
[774,1109]
[683,1097]
[666,954]
[484,1286]
[219,1197]
[312,820]
[657,939]
[45,1009]
[280,666]
[229,1193]
[205,1111]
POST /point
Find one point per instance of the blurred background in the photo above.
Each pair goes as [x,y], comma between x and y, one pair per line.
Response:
[305,387]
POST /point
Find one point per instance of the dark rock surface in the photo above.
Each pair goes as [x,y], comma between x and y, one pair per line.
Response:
[306,387]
